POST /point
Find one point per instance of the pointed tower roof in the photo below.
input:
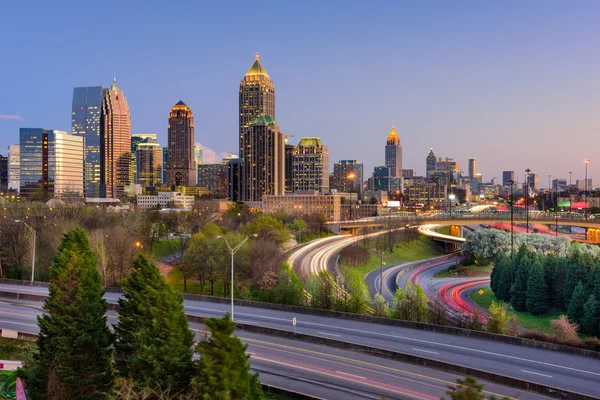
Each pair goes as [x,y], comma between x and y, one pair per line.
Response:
[257,68]
[114,87]
[264,119]
[393,136]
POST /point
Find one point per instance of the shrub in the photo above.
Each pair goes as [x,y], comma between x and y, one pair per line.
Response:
[564,330]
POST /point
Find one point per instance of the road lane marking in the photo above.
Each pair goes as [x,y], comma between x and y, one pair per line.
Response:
[425,351]
[246,322]
[536,373]
[351,375]
[329,334]
[17,323]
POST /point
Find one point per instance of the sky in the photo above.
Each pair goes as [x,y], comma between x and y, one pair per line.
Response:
[515,84]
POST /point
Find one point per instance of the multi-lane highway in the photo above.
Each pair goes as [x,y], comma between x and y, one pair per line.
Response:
[561,370]
[315,370]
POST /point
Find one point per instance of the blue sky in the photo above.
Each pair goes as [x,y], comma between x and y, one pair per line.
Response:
[515,84]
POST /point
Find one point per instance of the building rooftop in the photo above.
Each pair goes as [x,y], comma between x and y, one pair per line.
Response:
[257,68]
[264,119]
[393,136]
[310,142]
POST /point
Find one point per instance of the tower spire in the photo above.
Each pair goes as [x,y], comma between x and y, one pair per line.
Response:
[257,55]
[114,86]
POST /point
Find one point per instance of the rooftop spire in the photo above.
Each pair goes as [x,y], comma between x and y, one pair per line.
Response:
[257,68]
[257,56]
[114,86]
[393,136]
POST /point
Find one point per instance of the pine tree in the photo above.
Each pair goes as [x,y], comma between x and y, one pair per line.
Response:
[224,370]
[154,343]
[518,291]
[537,291]
[74,356]
[575,310]
[590,323]
[505,284]
[467,389]
[558,281]
[576,272]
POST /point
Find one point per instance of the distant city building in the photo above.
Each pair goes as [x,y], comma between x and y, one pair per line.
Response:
[448,171]
[197,159]
[85,122]
[348,177]
[14,163]
[257,97]
[165,158]
[430,163]
[166,200]
[393,154]
[581,184]
[408,173]
[472,167]
[430,195]
[149,163]
[51,164]
[560,184]
[234,179]
[380,179]
[328,205]
[533,181]
[310,166]
[115,142]
[507,176]
[136,139]
[213,176]
[3,173]
[289,149]
[264,159]
[181,166]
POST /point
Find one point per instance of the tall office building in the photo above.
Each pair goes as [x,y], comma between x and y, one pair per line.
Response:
[507,176]
[197,160]
[234,181]
[14,166]
[3,173]
[348,177]
[213,177]
[257,97]
[289,149]
[149,162]
[115,142]
[393,154]
[51,164]
[263,151]
[181,167]
[136,139]
[310,166]
[165,151]
[533,181]
[380,179]
[472,167]
[85,122]
[430,164]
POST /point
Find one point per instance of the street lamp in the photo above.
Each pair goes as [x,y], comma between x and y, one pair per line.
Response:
[451,198]
[32,250]
[233,251]
[381,275]
[512,232]
[527,171]
[586,188]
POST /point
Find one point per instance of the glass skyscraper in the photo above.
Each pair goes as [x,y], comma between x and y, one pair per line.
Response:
[85,122]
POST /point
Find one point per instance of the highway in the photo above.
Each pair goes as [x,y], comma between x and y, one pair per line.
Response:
[315,370]
[564,371]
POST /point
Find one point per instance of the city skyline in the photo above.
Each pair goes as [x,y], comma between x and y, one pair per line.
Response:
[476,92]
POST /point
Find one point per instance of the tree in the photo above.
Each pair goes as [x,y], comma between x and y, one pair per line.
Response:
[359,295]
[466,389]
[505,283]
[153,342]
[224,369]
[576,272]
[518,291]
[537,291]
[559,272]
[298,226]
[268,228]
[410,304]
[74,356]
[381,306]
[289,288]
[575,310]
[498,318]
[590,323]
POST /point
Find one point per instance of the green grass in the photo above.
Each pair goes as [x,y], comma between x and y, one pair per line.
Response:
[13,349]
[421,249]
[465,270]
[163,248]
[526,320]
[445,230]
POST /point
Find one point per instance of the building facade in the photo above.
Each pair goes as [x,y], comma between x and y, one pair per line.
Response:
[136,139]
[85,122]
[289,149]
[234,179]
[197,159]
[393,154]
[348,177]
[305,204]
[507,176]
[380,179]
[115,142]
[3,173]
[181,166]
[51,164]
[257,97]
[166,200]
[165,157]
[472,168]
[264,158]
[213,177]
[310,166]
[14,166]
[430,195]
[430,163]
[149,163]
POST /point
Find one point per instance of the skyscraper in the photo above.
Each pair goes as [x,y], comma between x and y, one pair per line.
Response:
[149,161]
[310,166]
[115,142]
[51,163]
[3,173]
[430,163]
[85,122]
[393,154]
[136,139]
[197,160]
[234,182]
[181,167]
[348,176]
[472,167]
[257,97]
[380,179]
[165,151]
[14,169]
[290,149]
[507,176]
[263,159]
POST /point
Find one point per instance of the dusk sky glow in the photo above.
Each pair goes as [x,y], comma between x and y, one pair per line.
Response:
[514,84]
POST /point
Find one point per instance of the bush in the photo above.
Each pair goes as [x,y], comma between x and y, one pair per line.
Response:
[498,318]
[564,330]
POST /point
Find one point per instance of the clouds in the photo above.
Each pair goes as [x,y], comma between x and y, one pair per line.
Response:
[209,156]
[11,117]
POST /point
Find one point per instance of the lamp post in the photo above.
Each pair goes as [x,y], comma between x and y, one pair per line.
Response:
[233,251]
[32,250]
[527,171]
[586,189]
[570,189]
[512,232]
[451,198]
[381,275]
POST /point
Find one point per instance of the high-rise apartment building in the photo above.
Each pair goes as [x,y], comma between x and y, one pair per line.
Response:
[51,164]
[430,163]
[289,149]
[393,154]
[234,181]
[348,176]
[85,122]
[181,166]
[257,97]
[149,162]
[115,142]
[264,156]
[14,166]
[310,166]
[507,176]
[3,173]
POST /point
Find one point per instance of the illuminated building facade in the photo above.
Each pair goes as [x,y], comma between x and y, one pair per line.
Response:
[348,177]
[165,152]
[393,154]
[136,139]
[14,166]
[310,166]
[149,162]
[263,172]
[234,179]
[181,166]
[430,164]
[213,177]
[257,97]
[290,149]
[115,140]
[85,122]
[197,159]
[3,173]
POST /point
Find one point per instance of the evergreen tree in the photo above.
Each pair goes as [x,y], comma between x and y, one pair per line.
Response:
[518,291]
[537,291]
[224,370]
[575,310]
[590,323]
[467,389]
[576,272]
[505,284]
[496,273]
[558,281]
[549,265]
[74,356]
[154,343]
